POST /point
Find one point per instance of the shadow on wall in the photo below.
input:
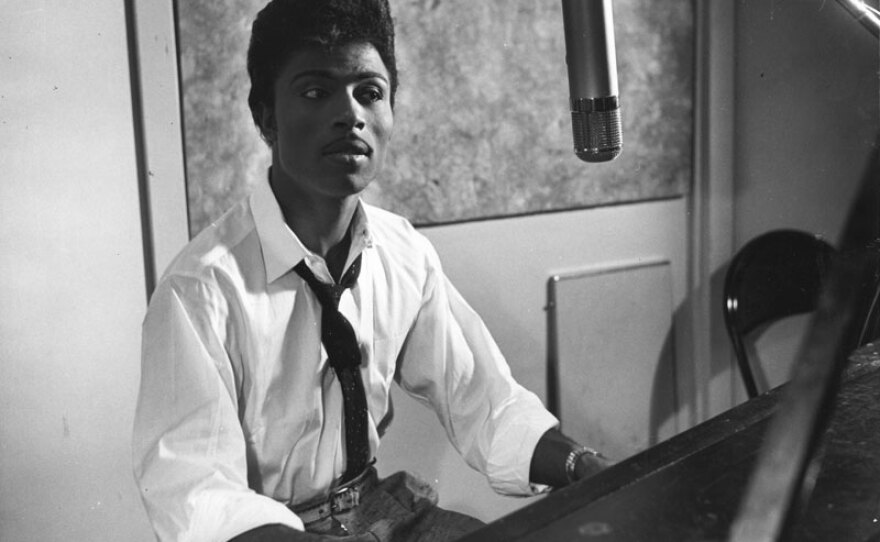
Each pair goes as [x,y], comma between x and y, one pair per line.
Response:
[664,412]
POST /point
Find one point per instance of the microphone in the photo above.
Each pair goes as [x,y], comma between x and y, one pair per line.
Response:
[592,79]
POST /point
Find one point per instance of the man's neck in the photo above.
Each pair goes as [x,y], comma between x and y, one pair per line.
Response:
[321,224]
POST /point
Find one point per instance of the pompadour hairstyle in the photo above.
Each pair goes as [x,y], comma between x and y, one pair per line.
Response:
[285,26]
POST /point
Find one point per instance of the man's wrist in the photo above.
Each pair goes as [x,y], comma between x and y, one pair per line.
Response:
[574,457]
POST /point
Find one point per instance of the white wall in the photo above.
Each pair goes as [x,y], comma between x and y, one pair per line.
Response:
[73,294]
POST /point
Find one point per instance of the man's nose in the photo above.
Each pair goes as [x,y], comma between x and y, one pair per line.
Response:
[349,113]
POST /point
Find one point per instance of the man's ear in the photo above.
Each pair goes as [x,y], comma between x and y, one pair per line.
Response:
[268,127]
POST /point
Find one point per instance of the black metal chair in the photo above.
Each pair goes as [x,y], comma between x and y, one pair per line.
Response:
[777,274]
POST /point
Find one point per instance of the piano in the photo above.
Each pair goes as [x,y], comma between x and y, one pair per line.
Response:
[690,487]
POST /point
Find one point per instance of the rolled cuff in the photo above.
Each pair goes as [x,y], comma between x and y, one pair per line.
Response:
[508,468]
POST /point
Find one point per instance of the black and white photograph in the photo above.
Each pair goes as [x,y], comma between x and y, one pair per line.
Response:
[440,270]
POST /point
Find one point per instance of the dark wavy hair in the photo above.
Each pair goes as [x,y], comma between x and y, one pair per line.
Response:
[285,26]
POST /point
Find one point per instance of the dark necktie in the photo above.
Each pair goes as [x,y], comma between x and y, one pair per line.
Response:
[344,356]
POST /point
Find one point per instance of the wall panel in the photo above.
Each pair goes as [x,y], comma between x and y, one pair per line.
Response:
[73,290]
[612,350]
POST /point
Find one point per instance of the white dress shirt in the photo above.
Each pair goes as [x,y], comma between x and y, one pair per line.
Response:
[239,413]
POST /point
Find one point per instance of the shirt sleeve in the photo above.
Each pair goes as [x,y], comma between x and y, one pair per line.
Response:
[451,362]
[188,446]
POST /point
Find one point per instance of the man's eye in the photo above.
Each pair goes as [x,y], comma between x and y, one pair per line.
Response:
[371,94]
[314,93]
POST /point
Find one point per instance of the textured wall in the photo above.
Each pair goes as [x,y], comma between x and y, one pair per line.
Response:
[482,123]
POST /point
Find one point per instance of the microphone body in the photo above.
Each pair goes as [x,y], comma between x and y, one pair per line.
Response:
[592,79]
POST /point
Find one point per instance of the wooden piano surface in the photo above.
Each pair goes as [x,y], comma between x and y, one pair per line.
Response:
[689,487]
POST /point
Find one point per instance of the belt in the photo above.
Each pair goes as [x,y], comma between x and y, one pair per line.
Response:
[339,500]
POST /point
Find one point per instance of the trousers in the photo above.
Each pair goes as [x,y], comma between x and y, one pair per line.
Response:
[399,508]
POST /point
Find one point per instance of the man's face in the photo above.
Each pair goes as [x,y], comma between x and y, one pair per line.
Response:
[332,121]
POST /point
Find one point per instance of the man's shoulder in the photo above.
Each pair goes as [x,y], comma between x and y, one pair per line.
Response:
[216,246]
[402,249]
[390,229]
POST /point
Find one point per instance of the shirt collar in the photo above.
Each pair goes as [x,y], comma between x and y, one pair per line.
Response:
[281,248]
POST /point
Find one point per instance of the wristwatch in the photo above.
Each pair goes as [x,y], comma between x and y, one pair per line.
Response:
[573,457]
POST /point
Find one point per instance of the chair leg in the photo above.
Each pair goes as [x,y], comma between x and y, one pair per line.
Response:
[744,368]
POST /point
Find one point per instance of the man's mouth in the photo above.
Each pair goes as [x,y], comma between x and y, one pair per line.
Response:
[348,147]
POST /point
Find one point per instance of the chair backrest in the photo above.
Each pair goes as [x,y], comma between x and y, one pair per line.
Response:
[777,274]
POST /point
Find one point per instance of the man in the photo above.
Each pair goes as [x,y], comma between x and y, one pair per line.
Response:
[272,341]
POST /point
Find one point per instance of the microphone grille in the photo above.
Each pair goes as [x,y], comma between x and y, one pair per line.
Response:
[596,130]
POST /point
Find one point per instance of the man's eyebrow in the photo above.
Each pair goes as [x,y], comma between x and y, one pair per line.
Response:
[330,74]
